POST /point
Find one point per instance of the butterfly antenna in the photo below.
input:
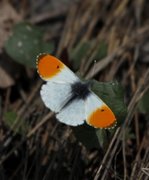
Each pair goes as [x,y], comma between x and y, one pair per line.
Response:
[93,68]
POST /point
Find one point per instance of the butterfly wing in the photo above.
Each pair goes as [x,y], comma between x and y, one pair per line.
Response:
[73,114]
[98,114]
[57,92]
[55,95]
[52,69]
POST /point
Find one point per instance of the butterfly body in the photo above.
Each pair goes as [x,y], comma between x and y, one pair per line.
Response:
[70,98]
[80,90]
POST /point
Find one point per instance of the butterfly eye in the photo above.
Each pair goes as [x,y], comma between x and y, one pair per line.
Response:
[57,67]
[102,110]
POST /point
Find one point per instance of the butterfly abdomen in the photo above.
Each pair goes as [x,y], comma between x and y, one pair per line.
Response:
[79,91]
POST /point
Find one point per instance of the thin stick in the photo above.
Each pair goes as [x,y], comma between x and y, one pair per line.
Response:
[106,155]
[43,121]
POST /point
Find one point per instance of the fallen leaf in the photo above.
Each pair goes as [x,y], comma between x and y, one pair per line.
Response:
[8,17]
[5,79]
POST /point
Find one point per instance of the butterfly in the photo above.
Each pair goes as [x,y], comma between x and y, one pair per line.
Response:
[70,98]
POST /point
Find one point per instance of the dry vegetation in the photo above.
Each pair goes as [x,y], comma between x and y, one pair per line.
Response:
[34,145]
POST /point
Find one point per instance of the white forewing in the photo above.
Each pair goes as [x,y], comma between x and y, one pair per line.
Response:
[73,114]
[92,103]
[55,95]
[64,76]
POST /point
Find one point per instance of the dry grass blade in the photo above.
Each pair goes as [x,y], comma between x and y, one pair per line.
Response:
[41,123]
[103,163]
[146,171]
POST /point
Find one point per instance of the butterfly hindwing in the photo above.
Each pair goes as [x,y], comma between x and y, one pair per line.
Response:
[73,114]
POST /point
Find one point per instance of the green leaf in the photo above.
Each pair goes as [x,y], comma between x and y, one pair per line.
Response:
[25,43]
[10,118]
[102,137]
[47,47]
[87,136]
[101,51]
[78,53]
[112,94]
[143,104]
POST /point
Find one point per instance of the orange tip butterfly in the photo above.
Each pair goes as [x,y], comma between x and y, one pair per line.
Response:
[71,99]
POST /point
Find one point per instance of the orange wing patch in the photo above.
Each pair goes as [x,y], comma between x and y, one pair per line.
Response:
[102,117]
[48,66]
